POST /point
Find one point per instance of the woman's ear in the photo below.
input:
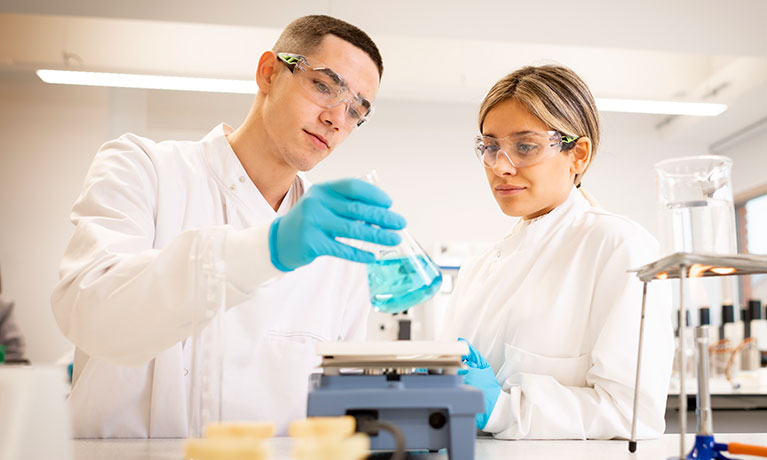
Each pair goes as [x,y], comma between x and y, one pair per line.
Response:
[580,155]
[265,71]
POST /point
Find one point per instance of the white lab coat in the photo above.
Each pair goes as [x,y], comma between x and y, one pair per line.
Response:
[127,289]
[555,313]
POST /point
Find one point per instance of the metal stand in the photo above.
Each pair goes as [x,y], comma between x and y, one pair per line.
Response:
[678,266]
[682,364]
[633,442]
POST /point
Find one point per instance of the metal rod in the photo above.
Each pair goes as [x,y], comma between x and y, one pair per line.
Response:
[682,390]
[633,441]
[703,411]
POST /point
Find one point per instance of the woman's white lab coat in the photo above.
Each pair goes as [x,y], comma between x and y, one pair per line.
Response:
[128,286]
[556,314]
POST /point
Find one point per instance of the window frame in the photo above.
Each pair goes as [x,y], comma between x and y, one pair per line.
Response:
[744,282]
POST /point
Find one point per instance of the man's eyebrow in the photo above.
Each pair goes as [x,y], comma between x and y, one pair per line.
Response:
[333,76]
[340,80]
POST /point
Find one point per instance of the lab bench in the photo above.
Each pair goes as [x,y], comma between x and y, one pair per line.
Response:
[486,449]
[732,413]
[735,410]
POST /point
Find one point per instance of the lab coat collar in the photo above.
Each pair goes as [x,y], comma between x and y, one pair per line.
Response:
[232,175]
[542,227]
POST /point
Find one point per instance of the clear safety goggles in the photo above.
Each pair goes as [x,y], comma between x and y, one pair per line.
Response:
[326,88]
[527,148]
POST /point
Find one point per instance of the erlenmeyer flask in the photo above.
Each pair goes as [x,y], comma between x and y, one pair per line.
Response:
[401,276]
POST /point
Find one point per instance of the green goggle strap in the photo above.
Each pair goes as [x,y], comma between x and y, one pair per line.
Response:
[568,139]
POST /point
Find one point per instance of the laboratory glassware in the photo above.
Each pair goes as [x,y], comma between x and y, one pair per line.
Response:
[209,303]
[695,205]
[402,275]
[758,324]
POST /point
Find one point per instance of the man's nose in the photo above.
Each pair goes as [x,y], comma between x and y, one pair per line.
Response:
[335,116]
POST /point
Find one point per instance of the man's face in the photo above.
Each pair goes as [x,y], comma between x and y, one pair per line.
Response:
[303,132]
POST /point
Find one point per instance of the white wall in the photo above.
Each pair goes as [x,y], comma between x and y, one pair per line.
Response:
[423,152]
[47,140]
[749,162]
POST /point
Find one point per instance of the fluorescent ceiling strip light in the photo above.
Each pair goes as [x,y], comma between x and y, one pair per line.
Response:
[219,85]
[123,80]
[699,109]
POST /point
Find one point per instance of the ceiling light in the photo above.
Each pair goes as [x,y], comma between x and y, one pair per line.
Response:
[700,109]
[124,80]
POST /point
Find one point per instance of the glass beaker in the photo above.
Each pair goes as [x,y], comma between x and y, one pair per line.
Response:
[402,275]
[696,211]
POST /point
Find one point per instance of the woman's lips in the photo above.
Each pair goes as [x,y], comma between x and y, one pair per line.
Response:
[508,190]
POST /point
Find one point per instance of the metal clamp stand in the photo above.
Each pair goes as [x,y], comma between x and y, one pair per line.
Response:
[679,265]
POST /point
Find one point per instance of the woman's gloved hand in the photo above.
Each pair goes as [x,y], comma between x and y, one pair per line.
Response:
[481,376]
[346,208]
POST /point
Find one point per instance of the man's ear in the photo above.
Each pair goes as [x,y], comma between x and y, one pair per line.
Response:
[266,71]
[580,155]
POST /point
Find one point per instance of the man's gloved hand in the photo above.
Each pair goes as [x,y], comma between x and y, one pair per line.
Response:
[481,376]
[346,208]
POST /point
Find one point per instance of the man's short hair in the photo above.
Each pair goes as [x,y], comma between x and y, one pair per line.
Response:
[305,34]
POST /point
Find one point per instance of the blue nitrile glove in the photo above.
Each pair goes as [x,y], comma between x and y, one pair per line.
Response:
[481,376]
[345,208]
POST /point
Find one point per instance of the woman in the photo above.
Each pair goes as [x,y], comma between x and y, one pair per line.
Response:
[550,311]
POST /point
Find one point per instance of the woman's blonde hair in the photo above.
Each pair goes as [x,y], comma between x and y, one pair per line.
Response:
[554,94]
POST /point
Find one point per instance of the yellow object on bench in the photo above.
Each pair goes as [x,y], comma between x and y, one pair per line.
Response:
[253,430]
[323,427]
[225,449]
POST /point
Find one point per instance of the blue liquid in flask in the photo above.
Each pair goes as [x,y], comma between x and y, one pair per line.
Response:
[398,284]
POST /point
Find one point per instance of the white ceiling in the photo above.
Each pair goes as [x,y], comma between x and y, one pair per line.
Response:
[702,50]
[735,27]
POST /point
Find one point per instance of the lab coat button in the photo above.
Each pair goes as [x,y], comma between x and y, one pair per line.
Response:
[233,187]
[498,254]
[242,179]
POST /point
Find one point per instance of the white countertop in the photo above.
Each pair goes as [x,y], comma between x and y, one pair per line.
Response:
[486,449]
[747,383]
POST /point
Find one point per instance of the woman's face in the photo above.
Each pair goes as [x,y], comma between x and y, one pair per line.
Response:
[529,191]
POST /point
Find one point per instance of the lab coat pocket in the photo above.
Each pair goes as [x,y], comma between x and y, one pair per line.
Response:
[570,371]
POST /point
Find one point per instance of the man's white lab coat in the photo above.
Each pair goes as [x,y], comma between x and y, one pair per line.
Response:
[556,314]
[128,291]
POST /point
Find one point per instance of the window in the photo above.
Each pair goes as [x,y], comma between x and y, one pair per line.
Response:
[751,212]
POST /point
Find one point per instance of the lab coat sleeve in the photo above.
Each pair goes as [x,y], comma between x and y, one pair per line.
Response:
[537,406]
[357,307]
[449,329]
[119,298]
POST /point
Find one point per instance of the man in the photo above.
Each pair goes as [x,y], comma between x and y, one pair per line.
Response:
[151,214]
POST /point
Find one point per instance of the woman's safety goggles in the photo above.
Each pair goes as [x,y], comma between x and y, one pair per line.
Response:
[326,88]
[527,148]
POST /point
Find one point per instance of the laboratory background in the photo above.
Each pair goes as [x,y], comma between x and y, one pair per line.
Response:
[439,56]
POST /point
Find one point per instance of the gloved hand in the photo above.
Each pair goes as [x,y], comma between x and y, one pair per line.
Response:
[480,375]
[345,208]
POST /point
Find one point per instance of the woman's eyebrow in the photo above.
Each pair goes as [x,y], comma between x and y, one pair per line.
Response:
[518,133]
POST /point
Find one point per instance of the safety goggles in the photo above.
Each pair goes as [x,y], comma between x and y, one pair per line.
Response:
[527,148]
[326,88]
